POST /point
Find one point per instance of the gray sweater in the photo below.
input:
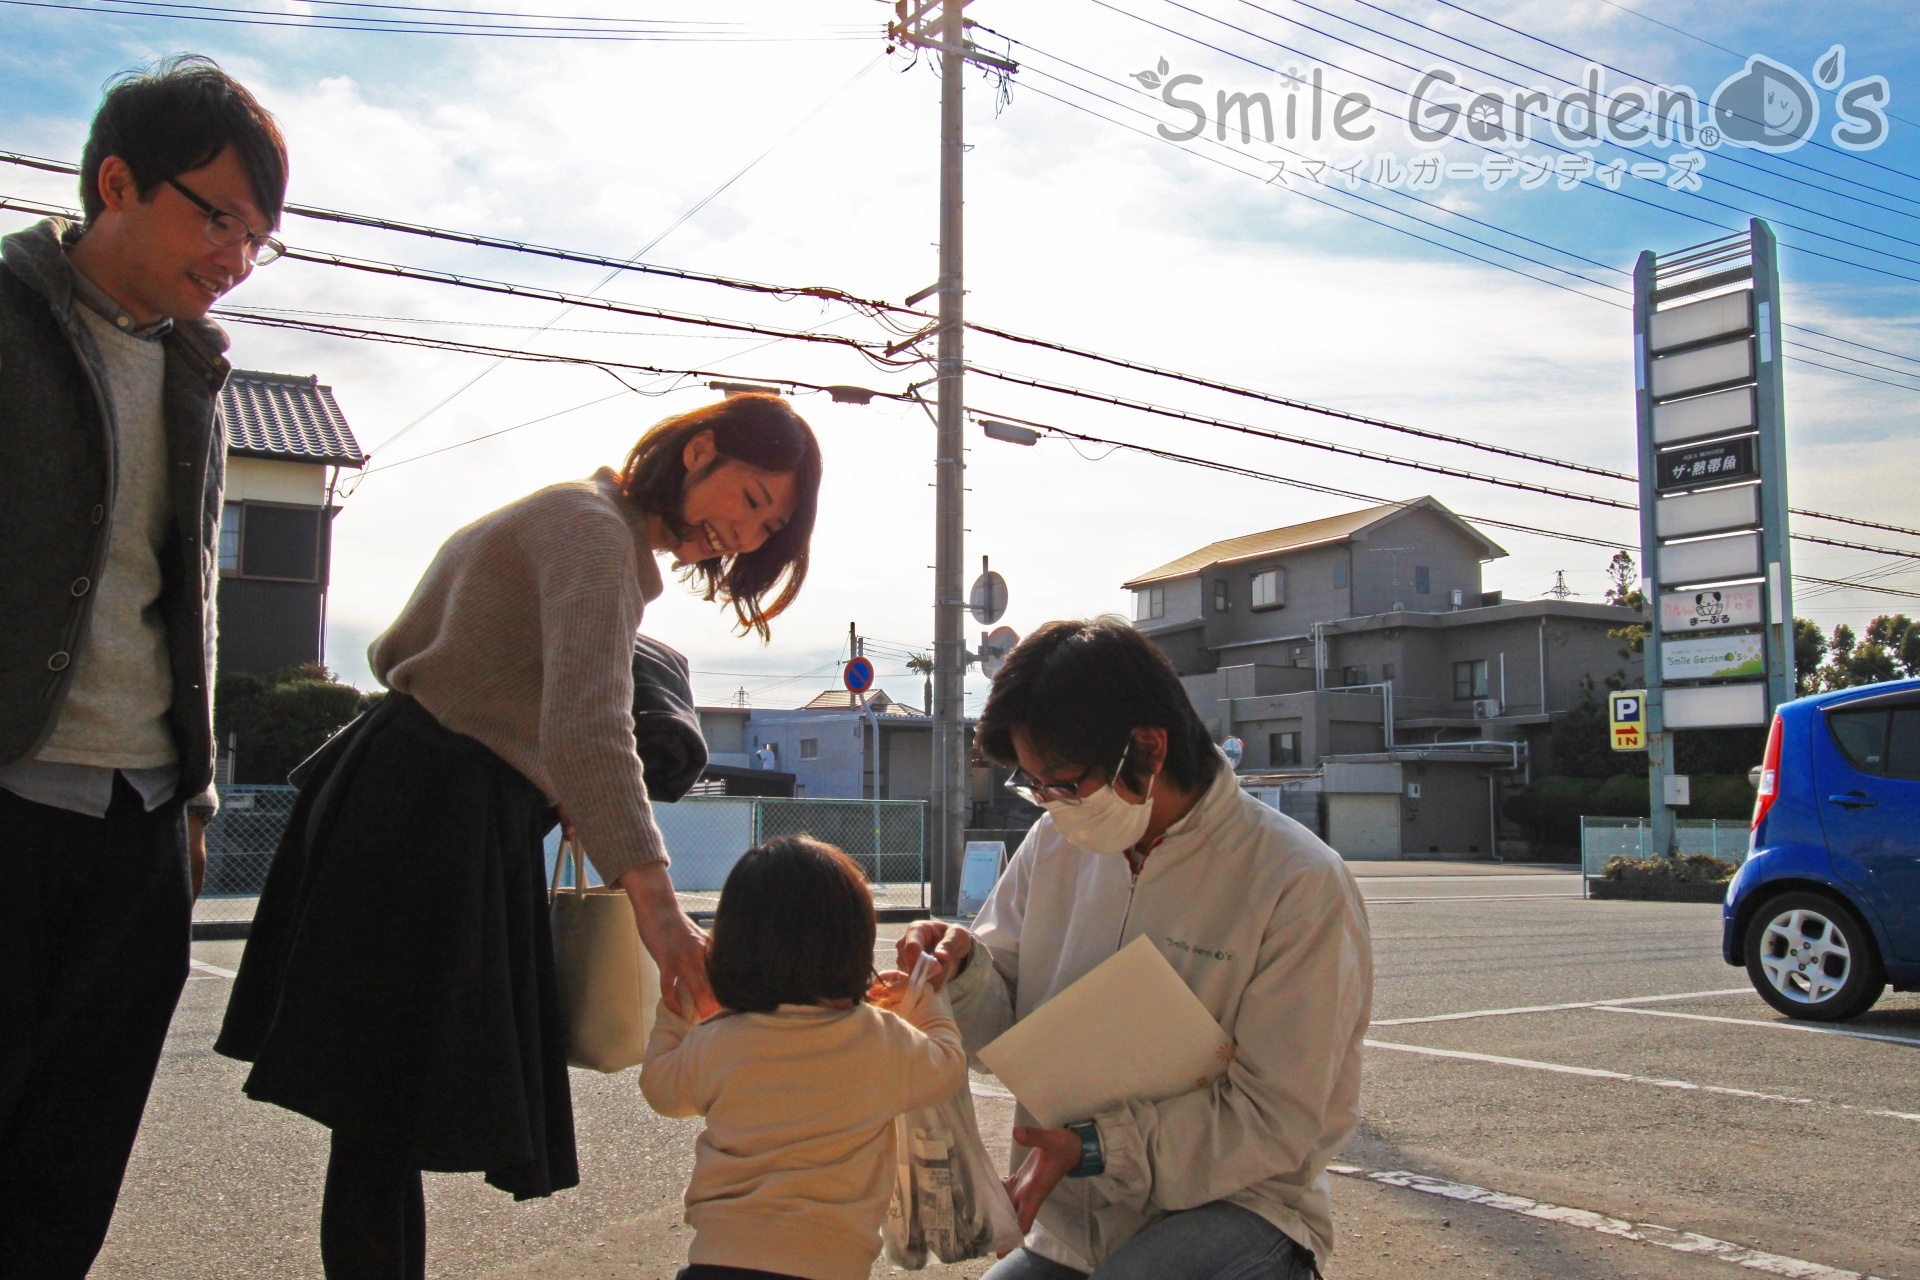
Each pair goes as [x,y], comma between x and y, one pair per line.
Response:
[521,635]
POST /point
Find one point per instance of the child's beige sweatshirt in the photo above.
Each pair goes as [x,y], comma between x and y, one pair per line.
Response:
[795,1168]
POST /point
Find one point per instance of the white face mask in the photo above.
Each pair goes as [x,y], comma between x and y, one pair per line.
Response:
[1103,822]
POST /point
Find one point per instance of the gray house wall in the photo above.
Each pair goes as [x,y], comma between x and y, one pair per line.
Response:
[1383,576]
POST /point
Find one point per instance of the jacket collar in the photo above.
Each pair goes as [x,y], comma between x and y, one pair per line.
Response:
[37,256]
[1220,799]
[608,484]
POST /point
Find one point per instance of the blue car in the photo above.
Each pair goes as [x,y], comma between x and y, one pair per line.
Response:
[1826,912]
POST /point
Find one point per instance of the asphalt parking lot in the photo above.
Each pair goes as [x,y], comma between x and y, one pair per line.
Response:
[1556,1087]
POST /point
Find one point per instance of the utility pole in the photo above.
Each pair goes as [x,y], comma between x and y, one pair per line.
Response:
[937,25]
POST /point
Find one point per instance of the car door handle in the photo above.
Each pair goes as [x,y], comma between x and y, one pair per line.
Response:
[1853,801]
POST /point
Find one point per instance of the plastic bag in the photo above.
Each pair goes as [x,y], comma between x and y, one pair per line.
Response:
[947,1199]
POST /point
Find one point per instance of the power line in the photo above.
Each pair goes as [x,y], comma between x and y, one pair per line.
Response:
[1623,194]
[1528,35]
[234,16]
[1724,155]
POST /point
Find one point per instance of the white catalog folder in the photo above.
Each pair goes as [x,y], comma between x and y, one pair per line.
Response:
[1129,1029]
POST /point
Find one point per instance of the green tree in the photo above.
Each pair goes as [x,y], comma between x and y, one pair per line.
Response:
[1852,662]
[274,722]
[1623,589]
[1809,652]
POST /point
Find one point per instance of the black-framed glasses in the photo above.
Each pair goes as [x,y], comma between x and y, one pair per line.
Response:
[1034,791]
[229,229]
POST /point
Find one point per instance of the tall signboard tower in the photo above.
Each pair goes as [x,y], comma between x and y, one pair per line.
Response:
[1713,495]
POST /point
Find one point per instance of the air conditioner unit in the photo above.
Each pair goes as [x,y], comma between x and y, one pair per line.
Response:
[1486,708]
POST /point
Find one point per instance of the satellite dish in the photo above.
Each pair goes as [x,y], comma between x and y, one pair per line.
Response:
[987,602]
[994,649]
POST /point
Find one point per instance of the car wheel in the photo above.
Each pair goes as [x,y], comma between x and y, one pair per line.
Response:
[1811,957]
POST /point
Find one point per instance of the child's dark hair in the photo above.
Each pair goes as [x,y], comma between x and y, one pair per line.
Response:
[795,925]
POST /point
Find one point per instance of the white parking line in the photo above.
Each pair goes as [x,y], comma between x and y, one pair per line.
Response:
[211,970]
[1596,1073]
[1556,1008]
[1587,1219]
[1777,1026]
[1470,897]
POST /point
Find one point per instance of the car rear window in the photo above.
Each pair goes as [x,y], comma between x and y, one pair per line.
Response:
[1884,741]
[1903,744]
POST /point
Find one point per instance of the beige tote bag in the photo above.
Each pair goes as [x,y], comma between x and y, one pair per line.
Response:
[608,983]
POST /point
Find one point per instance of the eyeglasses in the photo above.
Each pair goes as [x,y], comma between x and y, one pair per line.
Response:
[1034,791]
[229,229]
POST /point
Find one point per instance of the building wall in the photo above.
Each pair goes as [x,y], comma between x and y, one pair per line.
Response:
[271,480]
[1383,577]
[1450,815]
[909,763]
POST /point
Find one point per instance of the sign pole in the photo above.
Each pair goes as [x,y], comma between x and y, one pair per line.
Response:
[1659,743]
[1771,403]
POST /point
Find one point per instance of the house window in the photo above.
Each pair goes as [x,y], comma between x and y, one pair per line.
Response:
[1339,573]
[1470,679]
[1350,676]
[1387,672]
[1270,589]
[1422,580]
[1149,602]
[1222,596]
[230,537]
[1283,749]
[809,748]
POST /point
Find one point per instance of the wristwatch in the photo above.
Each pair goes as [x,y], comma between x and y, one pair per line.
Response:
[1093,1161]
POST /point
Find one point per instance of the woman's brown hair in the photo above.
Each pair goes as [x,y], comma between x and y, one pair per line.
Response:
[761,431]
[795,925]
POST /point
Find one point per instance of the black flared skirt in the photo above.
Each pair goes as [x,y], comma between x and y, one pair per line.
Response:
[399,980]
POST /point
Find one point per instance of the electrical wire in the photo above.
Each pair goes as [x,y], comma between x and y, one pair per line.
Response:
[1623,194]
[1435,206]
[233,16]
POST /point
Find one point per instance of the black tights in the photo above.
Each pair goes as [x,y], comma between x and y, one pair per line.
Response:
[373,1217]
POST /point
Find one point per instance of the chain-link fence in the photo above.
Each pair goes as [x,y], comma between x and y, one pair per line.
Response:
[240,844]
[707,834]
[1604,838]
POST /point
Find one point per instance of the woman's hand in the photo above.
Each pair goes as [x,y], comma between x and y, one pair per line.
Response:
[678,946]
[948,943]
[1053,1154]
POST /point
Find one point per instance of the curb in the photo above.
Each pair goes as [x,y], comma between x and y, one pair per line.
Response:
[1656,891]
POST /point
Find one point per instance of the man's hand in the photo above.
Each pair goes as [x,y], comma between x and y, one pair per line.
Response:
[197,851]
[1053,1154]
[949,943]
[677,944]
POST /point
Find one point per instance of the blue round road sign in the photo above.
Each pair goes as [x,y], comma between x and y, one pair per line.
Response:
[858,676]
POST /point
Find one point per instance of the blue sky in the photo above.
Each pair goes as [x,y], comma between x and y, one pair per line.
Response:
[1077,229]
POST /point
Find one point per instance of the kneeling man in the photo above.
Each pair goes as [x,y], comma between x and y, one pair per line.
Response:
[1148,832]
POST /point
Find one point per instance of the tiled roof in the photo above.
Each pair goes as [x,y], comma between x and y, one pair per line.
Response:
[277,415]
[841,700]
[1295,536]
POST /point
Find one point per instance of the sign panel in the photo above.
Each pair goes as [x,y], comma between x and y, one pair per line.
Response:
[1685,611]
[988,599]
[858,677]
[1702,368]
[1698,321]
[1712,657]
[1688,515]
[1627,719]
[1717,414]
[1716,706]
[1710,559]
[978,872]
[1700,464]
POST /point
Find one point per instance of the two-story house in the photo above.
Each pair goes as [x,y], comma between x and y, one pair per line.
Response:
[1376,688]
[287,442]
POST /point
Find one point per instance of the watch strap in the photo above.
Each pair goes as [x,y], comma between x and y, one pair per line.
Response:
[1093,1160]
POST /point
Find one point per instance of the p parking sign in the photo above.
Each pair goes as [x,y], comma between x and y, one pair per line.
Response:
[1627,719]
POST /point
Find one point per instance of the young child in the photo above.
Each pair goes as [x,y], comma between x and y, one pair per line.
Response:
[799,1078]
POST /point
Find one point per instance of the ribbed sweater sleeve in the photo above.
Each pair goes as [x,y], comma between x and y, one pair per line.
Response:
[590,609]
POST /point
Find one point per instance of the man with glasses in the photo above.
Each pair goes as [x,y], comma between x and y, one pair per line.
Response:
[112,460]
[1147,832]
